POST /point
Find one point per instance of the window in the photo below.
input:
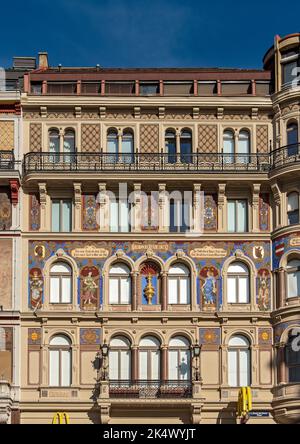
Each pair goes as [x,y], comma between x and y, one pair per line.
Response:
[238,283]
[179,216]
[60,365]
[112,142]
[120,88]
[119,284]
[228,146]
[292,138]
[179,284]
[293,208]
[170,145]
[119,359]
[292,358]
[149,89]
[149,359]
[237,215]
[54,141]
[120,149]
[179,360]
[185,146]
[69,141]
[239,153]
[127,146]
[119,215]
[243,147]
[61,215]
[60,283]
[290,62]
[293,278]
[239,371]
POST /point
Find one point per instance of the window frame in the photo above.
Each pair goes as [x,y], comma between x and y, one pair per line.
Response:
[60,349]
[236,219]
[238,349]
[237,276]
[60,276]
[119,277]
[178,277]
[61,201]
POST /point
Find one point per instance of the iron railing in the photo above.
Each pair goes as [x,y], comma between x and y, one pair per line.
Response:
[7,160]
[95,162]
[285,156]
[150,389]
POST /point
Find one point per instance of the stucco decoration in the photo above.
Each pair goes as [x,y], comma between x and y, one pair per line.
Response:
[149,138]
[210,212]
[35,130]
[7,135]
[5,208]
[90,138]
[89,213]
[34,213]
[264,212]
[208,139]
[6,273]
[262,142]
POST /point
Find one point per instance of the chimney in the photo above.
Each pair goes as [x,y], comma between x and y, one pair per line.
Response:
[43,60]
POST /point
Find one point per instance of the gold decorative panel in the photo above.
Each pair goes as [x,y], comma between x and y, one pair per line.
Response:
[35,137]
[6,135]
[149,139]
[208,138]
[262,143]
[90,137]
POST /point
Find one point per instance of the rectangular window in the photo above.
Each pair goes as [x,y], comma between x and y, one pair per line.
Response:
[232,368]
[61,215]
[54,368]
[119,88]
[149,89]
[237,215]
[179,216]
[119,216]
[178,88]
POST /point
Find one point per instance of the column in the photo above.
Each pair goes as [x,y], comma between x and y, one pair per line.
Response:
[281,288]
[255,206]
[77,206]
[43,207]
[103,212]
[163,223]
[198,220]
[134,363]
[164,363]
[221,208]
[277,199]
[134,276]
[281,373]
[178,145]
[136,213]
[164,292]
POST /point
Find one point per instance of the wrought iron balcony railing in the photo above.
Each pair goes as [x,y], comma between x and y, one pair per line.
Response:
[95,162]
[7,160]
[150,389]
[285,155]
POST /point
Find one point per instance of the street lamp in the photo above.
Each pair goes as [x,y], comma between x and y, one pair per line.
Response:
[196,354]
[104,351]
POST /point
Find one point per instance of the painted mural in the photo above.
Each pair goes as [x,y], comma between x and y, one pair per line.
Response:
[89,212]
[210,212]
[264,212]
[208,257]
[5,209]
[284,244]
[6,273]
[34,213]
[149,282]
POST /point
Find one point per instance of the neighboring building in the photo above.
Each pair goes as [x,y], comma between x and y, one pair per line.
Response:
[11,81]
[147,319]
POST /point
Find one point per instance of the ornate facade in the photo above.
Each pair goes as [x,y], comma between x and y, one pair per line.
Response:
[160,243]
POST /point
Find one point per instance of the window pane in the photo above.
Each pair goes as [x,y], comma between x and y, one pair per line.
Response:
[124,216]
[54,368]
[243,145]
[173,217]
[231,289]
[293,201]
[232,368]
[184,365]
[125,372]
[155,373]
[184,291]
[66,290]
[173,290]
[244,368]
[113,290]
[231,215]
[114,216]
[127,144]
[173,364]
[113,364]
[67,212]
[54,289]
[60,267]
[69,142]
[288,71]
[293,284]
[143,364]
[125,290]
[112,144]
[243,289]
[294,374]
[65,368]
[242,215]
[55,215]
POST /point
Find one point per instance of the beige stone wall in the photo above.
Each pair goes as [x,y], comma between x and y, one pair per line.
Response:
[6,273]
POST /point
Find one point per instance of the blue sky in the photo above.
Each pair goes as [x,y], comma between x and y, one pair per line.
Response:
[141,33]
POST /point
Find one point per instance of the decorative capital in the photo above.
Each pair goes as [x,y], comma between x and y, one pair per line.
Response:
[14,191]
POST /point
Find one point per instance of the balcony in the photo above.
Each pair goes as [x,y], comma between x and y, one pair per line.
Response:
[7,160]
[286,403]
[153,162]
[288,155]
[150,389]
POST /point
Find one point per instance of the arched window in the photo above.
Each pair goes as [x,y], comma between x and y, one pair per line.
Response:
[238,283]
[293,208]
[228,146]
[69,141]
[54,142]
[239,370]
[179,284]
[127,146]
[149,359]
[119,284]
[243,147]
[60,361]
[186,146]
[179,359]
[292,138]
[292,358]
[119,359]
[170,145]
[293,278]
[112,144]
[60,283]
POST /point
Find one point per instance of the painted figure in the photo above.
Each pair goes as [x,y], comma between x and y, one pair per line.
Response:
[263,290]
[36,288]
[89,295]
[209,287]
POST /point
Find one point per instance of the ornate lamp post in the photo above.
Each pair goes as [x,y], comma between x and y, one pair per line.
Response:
[196,354]
[104,353]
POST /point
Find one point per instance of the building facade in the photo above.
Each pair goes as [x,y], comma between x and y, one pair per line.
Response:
[160,255]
